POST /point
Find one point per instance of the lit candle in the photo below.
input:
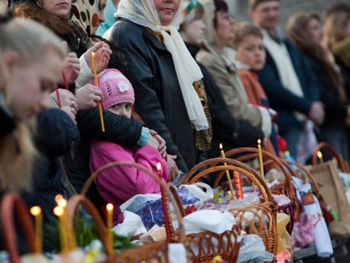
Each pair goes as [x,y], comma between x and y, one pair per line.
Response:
[227,172]
[96,84]
[60,213]
[36,212]
[109,208]
[166,219]
[260,159]
[320,156]
[238,185]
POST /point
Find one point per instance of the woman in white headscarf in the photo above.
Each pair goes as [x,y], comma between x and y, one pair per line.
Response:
[169,94]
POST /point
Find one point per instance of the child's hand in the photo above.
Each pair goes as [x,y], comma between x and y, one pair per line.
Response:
[88,96]
[67,99]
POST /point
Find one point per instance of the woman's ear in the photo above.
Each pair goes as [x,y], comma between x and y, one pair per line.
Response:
[10,61]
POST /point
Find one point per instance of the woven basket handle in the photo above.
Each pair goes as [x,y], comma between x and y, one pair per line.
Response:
[73,205]
[12,204]
[332,151]
[218,164]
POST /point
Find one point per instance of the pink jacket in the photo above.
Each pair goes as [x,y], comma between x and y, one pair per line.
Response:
[118,184]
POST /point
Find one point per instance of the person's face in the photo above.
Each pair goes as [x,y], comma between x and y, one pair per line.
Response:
[101,9]
[224,27]
[122,109]
[31,83]
[266,15]
[166,10]
[314,31]
[60,8]
[251,52]
[193,32]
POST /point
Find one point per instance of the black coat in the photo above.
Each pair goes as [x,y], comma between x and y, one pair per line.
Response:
[149,66]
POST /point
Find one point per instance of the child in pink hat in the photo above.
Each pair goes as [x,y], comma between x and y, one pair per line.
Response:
[118,184]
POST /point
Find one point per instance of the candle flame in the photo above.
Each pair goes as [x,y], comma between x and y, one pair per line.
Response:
[58,197]
[220,146]
[259,141]
[58,211]
[109,207]
[62,203]
[319,155]
[159,166]
[35,210]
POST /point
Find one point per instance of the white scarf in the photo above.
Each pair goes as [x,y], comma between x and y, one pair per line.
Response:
[144,13]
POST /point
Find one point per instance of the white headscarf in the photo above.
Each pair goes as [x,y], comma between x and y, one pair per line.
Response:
[144,13]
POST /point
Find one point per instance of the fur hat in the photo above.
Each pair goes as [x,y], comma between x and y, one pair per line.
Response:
[115,87]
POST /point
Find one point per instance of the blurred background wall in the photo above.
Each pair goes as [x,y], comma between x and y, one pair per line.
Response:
[239,8]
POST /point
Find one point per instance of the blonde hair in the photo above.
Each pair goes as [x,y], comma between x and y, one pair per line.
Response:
[334,29]
[29,40]
[254,3]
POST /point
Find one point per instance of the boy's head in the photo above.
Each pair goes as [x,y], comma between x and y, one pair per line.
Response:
[249,46]
[265,13]
[192,26]
[116,89]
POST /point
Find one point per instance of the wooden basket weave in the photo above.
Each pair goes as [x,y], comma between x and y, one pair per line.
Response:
[293,209]
[263,214]
[12,204]
[210,244]
[152,253]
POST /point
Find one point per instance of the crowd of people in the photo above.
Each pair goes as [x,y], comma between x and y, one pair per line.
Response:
[176,78]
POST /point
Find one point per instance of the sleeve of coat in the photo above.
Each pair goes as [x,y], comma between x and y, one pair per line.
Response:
[233,93]
[118,129]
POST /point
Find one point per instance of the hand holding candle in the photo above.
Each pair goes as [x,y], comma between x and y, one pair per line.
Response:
[96,84]
[36,212]
[227,172]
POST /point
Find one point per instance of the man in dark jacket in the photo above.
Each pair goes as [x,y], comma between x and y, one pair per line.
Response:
[287,76]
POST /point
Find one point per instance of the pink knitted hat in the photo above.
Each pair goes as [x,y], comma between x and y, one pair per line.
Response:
[115,87]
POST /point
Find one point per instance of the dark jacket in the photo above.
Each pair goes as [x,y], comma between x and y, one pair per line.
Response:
[281,99]
[56,135]
[335,108]
[149,66]
[345,72]
[118,129]
[226,129]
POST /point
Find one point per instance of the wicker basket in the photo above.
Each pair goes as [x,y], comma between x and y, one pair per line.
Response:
[210,244]
[12,204]
[152,253]
[329,148]
[263,221]
[293,209]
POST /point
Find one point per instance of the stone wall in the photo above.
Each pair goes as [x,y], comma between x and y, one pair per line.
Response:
[238,8]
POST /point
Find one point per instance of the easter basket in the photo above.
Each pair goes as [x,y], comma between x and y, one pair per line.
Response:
[12,205]
[206,245]
[255,218]
[285,187]
[150,252]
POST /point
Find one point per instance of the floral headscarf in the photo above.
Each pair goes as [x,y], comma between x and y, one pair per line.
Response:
[144,13]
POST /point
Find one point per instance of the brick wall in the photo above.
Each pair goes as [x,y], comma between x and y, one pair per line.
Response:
[239,8]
